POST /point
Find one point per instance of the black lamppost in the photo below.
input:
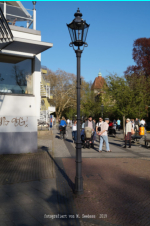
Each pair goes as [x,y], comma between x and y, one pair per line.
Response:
[102,110]
[78,29]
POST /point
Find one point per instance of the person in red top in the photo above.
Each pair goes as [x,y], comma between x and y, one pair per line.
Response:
[110,124]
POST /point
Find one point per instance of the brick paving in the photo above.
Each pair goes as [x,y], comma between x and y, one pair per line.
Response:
[33,186]
[116,190]
[29,167]
[25,167]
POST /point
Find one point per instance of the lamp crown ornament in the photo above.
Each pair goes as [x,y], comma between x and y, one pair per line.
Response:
[78,14]
[78,30]
[34,3]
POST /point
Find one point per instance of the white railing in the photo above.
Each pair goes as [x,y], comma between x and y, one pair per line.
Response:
[19,16]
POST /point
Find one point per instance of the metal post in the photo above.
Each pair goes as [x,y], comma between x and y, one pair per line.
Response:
[4,9]
[27,24]
[78,178]
[34,19]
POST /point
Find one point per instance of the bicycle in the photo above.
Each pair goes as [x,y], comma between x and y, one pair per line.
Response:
[63,132]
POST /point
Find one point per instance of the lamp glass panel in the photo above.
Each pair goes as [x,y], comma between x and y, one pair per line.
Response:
[71,34]
[78,35]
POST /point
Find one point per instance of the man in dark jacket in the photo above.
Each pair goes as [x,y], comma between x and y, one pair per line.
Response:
[90,123]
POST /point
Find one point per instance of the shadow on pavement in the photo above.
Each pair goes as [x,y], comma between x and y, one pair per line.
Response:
[63,173]
[69,140]
[58,137]
[66,214]
[118,188]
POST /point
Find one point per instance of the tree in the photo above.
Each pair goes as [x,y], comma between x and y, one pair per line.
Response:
[90,105]
[128,96]
[120,94]
[139,86]
[141,56]
[138,76]
[63,89]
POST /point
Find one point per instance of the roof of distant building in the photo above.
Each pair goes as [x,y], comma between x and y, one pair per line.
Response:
[98,82]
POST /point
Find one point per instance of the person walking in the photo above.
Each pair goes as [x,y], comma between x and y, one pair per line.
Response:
[136,125]
[114,127]
[142,122]
[62,126]
[91,124]
[98,126]
[74,131]
[68,122]
[128,128]
[103,136]
[118,124]
[133,124]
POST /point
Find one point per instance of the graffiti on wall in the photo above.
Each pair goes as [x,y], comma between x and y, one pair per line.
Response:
[17,121]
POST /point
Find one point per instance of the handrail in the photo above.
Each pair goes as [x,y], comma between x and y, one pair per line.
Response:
[43,80]
[30,18]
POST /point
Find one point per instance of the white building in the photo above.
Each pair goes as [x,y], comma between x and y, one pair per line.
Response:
[20,76]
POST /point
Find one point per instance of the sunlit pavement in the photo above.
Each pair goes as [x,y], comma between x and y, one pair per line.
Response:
[36,188]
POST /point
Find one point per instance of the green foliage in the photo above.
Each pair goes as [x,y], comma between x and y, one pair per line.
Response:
[127,97]
[90,105]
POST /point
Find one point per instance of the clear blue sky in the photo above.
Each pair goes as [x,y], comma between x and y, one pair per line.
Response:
[113,28]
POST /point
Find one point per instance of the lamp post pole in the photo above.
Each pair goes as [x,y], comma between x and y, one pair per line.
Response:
[78,178]
[78,29]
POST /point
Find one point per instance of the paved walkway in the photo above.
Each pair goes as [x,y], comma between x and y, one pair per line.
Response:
[37,189]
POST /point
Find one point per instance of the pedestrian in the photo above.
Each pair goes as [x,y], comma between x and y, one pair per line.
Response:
[74,131]
[98,126]
[91,124]
[128,128]
[94,134]
[94,121]
[83,123]
[63,123]
[136,125]
[118,124]
[142,122]
[133,124]
[114,126]
[103,135]
[68,122]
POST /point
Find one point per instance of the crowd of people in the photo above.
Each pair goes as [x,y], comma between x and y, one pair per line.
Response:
[103,128]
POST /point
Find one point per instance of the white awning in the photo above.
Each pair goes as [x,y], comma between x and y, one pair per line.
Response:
[26,46]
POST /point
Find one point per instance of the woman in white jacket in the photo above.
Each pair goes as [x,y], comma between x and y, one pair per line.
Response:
[74,131]
[128,128]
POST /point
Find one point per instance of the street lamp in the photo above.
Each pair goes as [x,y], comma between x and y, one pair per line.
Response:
[34,15]
[102,110]
[78,30]
[34,3]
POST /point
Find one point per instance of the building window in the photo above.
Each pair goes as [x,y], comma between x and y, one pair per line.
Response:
[16,75]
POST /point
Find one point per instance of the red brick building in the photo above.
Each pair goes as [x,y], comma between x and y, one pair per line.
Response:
[98,84]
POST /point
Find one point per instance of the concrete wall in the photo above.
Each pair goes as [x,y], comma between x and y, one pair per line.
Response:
[19,113]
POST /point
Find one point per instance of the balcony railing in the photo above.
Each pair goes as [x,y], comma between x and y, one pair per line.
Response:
[45,88]
[17,15]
